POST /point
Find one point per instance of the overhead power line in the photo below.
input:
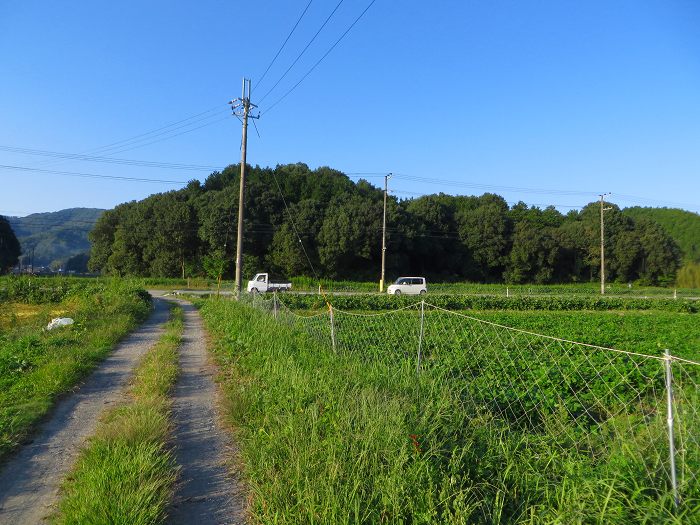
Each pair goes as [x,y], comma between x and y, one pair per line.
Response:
[168,135]
[91,175]
[109,160]
[123,145]
[320,59]
[123,142]
[461,184]
[285,42]
[302,52]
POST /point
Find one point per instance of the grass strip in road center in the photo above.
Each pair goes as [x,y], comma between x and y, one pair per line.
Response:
[126,473]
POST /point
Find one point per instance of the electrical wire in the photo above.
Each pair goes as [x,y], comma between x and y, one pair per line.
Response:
[109,160]
[145,136]
[285,42]
[460,184]
[319,60]
[123,142]
[302,52]
[92,175]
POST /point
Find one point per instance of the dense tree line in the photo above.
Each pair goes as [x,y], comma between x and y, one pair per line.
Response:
[297,218]
[682,225]
[9,246]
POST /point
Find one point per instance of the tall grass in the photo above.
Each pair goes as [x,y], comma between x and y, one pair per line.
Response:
[339,438]
[126,473]
[37,366]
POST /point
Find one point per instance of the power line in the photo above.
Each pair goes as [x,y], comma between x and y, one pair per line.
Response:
[131,139]
[454,183]
[320,59]
[285,42]
[147,135]
[302,51]
[171,135]
[109,160]
[91,175]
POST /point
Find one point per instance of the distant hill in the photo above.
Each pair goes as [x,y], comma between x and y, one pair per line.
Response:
[682,225]
[55,236]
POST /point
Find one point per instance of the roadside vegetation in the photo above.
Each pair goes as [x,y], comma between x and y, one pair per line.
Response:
[126,472]
[36,366]
[358,437]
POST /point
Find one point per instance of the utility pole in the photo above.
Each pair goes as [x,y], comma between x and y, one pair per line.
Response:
[386,191]
[603,209]
[241,108]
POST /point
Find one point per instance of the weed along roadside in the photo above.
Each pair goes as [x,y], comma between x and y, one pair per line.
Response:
[31,475]
[127,472]
[423,415]
[36,366]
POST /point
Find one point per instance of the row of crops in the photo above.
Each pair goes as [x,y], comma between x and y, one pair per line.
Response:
[508,426]
[488,302]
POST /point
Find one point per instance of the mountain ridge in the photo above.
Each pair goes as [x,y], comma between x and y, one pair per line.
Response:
[54,237]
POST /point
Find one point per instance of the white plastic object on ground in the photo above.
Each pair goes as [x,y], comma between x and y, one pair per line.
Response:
[59,321]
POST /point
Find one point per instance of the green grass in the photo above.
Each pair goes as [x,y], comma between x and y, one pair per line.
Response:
[125,474]
[37,366]
[358,436]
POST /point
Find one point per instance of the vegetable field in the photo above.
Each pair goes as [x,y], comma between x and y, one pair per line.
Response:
[425,415]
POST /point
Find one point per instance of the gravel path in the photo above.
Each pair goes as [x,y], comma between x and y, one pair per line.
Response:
[30,479]
[207,492]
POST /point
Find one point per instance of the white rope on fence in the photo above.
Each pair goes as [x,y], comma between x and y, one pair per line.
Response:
[602,404]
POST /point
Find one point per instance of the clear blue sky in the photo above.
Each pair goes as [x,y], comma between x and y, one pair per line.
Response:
[553,96]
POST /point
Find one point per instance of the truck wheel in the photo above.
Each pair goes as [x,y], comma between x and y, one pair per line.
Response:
[422,292]
[397,292]
[254,291]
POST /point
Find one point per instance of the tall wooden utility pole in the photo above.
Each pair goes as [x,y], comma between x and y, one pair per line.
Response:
[603,209]
[241,108]
[386,190]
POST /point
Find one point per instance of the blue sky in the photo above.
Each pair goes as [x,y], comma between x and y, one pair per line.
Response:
[541,101]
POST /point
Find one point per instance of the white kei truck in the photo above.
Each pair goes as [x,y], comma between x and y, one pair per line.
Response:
[261,284]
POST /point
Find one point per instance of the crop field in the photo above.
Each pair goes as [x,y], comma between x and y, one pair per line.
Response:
[424,415]
[37,365]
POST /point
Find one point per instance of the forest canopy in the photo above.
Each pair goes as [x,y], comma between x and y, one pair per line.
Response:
[296,218]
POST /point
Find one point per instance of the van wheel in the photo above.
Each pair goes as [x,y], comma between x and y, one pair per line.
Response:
[422,292]
[397,292]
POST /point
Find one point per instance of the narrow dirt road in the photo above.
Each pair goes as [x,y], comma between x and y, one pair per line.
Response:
[207,492]
[30,479]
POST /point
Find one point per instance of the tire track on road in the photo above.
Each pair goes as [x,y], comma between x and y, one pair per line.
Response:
[207,493]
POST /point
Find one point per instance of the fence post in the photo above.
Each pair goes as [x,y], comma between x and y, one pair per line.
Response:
[669,420]
[330,309]
[274,303]
[420,336]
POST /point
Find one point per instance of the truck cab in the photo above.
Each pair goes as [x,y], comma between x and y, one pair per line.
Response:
[261,284]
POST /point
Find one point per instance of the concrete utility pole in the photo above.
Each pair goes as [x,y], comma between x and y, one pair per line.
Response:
[241,108]
[602,242]
[386,190]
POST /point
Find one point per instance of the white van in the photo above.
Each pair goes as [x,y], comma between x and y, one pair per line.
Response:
[408,286]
